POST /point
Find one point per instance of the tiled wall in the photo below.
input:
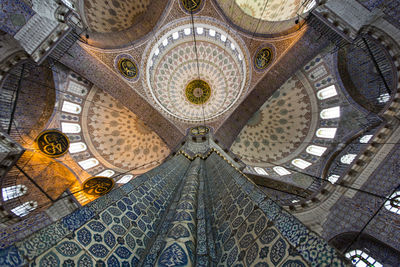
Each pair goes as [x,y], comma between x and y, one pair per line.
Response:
[252,230]
[114,228]
[182,213]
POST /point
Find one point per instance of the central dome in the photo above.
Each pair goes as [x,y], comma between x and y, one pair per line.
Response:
[195,81]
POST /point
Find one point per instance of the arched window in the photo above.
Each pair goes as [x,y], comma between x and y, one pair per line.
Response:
[89,163]
[211,32]
[125,179]
[383,98]
[301,163]
[14,191]
[200,30]
[316,150]
[24,209]
[71,107]
[77,147]
[260,171]
[175,35]
[106,173]
[187,31]
[327,92]
[330,113]
[348,158]
[77,88]
[393,204]
[361,259]
[281,171]
[309,6]
[365,139]
[326,132]
[333,178]
[67,127]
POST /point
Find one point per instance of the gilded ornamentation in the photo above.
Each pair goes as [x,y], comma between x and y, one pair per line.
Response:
[98,185]
[191,6]
[53,143]
[198,92]
[263,58]
[127,67]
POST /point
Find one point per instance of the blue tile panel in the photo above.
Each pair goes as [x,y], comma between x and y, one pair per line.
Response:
[112,230]
[250,228]
[183,213]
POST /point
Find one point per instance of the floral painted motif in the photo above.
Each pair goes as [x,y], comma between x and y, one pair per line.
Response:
[174,255]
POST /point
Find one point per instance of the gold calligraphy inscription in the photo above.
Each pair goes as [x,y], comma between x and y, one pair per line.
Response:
[197,92]
[263,58]
[98,185]
[191,5]
[199,130]
[127,68]
[53,143]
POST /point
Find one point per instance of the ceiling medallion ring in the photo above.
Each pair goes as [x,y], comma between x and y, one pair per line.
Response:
[263,57]
[127,67]
[191,6]
[198,92]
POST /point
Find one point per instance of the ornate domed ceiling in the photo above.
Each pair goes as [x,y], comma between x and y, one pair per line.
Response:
[110,16]
[279,129]
[117,138]
[274,10]
[195,81]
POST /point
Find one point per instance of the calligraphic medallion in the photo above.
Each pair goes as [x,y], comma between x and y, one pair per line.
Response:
[197,92]
[263,58]
[98,185]
[52,143]
[199,130]
[191,6]
[127,67]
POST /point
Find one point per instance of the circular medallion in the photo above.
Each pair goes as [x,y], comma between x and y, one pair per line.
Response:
[199,130]
[52,143]
[263,58]
[191,6]
[197,92]
[127,67]
[98,185]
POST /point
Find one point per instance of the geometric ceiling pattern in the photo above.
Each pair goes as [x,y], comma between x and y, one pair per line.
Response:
[279,128]
[112,16]
[274,10]
[117,138]
[175,61]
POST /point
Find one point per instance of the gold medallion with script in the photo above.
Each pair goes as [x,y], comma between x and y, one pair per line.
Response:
[52,143]
[127,68]
[191,6]
[263,58]
[98,185]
